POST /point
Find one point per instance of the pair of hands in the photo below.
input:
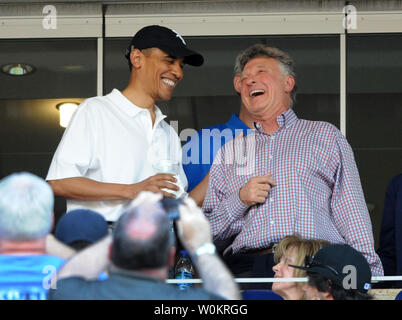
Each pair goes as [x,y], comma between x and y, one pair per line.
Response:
[256,189]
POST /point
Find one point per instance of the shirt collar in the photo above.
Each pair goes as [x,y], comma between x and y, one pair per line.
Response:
[285,119]
[130,108]
[159,115]
[288,118]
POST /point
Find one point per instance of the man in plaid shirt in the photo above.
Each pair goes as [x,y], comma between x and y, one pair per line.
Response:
[288,176]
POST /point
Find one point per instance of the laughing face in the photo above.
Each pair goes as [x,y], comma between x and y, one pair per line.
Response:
[163,72]
[264,88]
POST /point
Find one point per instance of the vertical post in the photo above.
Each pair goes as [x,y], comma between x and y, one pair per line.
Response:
[342,93]
[99,74]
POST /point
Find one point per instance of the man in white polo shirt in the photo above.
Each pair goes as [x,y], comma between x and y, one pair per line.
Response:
[113,144]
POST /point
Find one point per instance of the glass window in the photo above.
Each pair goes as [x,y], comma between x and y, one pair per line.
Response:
[64,70]
[374,117]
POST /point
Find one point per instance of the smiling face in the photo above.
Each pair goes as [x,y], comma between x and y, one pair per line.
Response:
[287,290]
[264,88]
[160,73]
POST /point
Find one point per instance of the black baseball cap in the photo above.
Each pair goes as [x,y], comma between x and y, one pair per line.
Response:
[332,262]
[168,40]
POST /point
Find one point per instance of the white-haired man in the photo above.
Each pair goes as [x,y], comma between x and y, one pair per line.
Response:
[26,219]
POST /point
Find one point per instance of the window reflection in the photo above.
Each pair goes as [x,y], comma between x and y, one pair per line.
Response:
[374,117]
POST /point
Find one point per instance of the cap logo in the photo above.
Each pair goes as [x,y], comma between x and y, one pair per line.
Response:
[179,36]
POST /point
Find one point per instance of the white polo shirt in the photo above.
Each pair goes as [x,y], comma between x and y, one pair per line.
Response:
[109,139]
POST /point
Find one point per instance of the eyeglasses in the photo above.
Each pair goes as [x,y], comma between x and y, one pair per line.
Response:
[309,263]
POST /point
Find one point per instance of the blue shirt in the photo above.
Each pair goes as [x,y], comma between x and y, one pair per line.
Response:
[200,149]
[27,277]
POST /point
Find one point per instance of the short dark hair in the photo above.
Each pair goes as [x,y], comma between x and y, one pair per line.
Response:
[131,253]
[324,284]
[147,52]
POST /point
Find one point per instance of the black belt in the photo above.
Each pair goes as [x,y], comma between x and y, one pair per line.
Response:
[257,252]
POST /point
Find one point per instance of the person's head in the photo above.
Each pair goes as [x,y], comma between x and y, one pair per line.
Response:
[80,228]
[156,57]
[293,250]
[142,239]
[26,207]
[337,272]
[266,80]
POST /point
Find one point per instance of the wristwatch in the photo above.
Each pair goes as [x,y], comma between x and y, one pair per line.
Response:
[206,248]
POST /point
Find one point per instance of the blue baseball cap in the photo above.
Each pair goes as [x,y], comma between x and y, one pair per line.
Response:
[81,224]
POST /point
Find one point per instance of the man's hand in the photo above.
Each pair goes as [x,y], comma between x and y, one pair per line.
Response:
[256,189]
[157,184]
[193,227]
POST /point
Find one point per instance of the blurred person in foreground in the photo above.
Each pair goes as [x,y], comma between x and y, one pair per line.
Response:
[139,255]
[293,250]
[29,255]
[80,228]
[337,272]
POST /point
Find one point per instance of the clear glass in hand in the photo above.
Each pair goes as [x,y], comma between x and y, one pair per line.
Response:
[167,166]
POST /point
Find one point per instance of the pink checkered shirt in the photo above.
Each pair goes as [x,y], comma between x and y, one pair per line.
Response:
[317,194]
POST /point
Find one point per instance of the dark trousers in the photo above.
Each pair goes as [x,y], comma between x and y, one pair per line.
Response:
[248,265]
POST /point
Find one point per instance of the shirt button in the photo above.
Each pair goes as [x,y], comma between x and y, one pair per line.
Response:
[272,137]
[271,200]
[270,156]
[272,222]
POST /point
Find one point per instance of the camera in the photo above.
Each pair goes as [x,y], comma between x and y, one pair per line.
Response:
[171,206]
